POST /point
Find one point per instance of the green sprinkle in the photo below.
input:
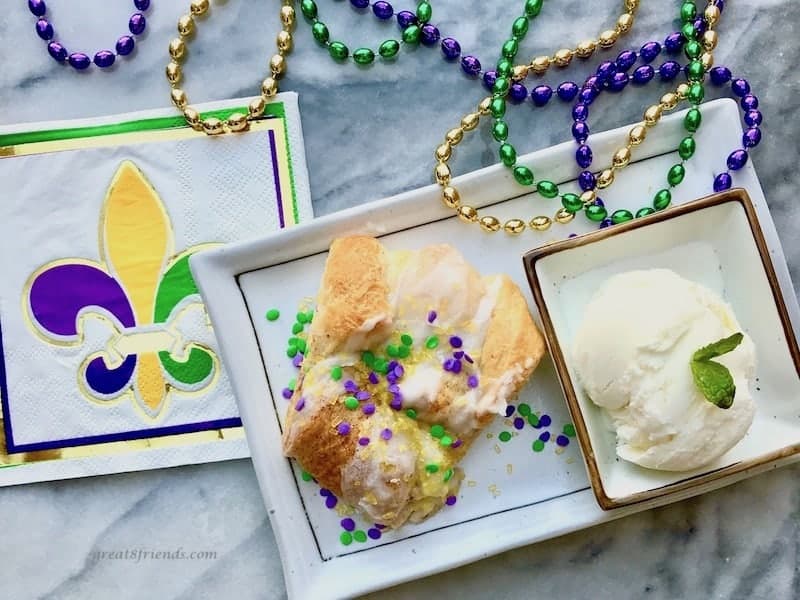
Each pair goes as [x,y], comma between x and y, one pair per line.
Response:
[368,358]
[411,413]
[380,365]
[336,373]
[432,468]
[306,476]
[524,409]
[351,402]
[432,342]
[273,314]
[302,317]
[297,328]
[403,352]
[533,420]
[446,440]
[292,384]
[504,436]
[448,474]
[569,430]
[437,431]
[538,446]
[291,351]
[392,350]
[360,536]
[293,341]
[309,316]
[406,339]
[346,538]
[301,345]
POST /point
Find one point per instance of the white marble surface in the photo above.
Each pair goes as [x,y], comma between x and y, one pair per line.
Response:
[370,133]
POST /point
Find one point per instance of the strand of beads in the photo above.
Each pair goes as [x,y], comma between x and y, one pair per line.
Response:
[507,75]
[752,118]
[571,203]
[238,121]
[79,60]
[363,55]
[694,92]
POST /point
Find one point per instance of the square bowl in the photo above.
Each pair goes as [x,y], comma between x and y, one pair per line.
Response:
[717,242]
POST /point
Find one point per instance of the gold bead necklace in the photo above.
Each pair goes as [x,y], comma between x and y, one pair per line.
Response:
[237,121]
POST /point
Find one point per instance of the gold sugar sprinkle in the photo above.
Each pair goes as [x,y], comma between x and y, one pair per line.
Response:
[493,489]
[509,468]
[497,449]
[471,483]
[570,460]
[559,450]
[489,436]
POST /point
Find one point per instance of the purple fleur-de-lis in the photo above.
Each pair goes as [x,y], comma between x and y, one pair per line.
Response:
[58,297]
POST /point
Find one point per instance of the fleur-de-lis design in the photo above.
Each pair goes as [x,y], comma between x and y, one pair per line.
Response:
[138,293]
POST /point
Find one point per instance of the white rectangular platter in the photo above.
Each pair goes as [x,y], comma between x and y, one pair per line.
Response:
[512,495]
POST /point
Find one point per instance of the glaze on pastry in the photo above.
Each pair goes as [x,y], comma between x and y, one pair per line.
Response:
[410,354]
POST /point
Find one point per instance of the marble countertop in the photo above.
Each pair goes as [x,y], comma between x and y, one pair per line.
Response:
[370,133]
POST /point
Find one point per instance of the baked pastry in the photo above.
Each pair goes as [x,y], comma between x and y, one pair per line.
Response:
[409,355]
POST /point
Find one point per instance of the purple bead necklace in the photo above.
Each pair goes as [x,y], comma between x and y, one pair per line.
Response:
[78,60]
[605,80]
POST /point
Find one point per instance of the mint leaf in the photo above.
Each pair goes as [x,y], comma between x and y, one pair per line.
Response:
[719,348]
[715,382]
[713,379]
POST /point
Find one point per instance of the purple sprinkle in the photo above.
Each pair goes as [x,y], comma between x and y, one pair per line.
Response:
[519,423]
[300,404]
[562,440]
[545,420]
[456,444]
[545,436]
[391,366]
[331,501]
[363,395]
[399,371]
[368,409]
[373,378]
[468,358]
[394,388]
[458,354]
[324,492]
[348,524]
[396,403]
[456,366]
[509,410]
[350,386]
[472,381]
[431,316]
[455,341]
[343,428]
[386,434]
[450,500]
[374,533]
[447,365]
[297,360]
[391,377]
[364,441]
[286,393]
[379,526]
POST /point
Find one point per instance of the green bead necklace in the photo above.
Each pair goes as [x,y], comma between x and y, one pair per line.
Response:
[363,55]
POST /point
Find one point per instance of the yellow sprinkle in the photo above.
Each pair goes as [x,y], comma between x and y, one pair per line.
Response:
[570,460]
[471,483]
[494,491]
[509,468]
[489,436]
[497,449]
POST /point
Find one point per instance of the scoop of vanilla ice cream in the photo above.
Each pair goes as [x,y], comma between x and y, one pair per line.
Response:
[632,353]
